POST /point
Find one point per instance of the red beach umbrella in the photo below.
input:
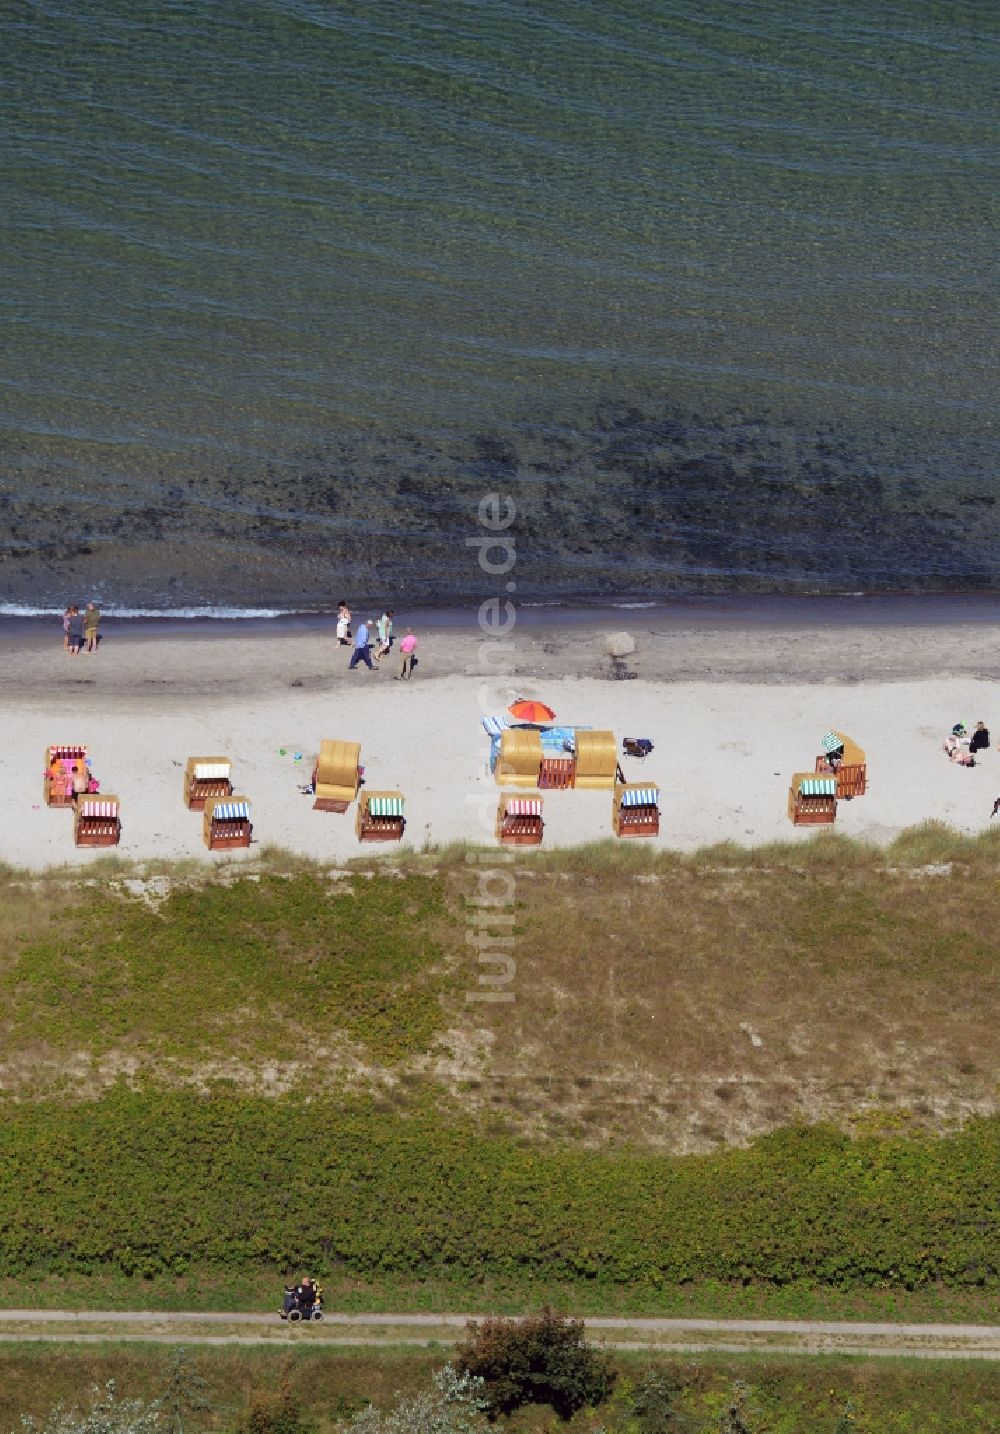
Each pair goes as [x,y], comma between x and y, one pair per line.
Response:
[526,711]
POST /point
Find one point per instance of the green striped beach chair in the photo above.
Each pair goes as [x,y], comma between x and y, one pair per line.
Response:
[812,800]
[381,816]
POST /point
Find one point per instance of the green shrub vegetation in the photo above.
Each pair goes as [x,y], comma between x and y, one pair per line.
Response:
[540,1359]
[152,1181]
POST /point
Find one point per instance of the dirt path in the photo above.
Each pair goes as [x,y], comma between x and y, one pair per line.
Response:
[923,1341]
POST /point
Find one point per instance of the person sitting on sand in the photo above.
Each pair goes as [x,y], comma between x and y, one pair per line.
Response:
[980,740]
[960,755]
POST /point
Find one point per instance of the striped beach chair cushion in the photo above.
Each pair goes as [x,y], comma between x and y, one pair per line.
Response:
[385,806]
[493,726]
[524,807]
[68,753]
[831,742]
[818,787]
[99,809]
[212,771]
[641,797]
[230,811]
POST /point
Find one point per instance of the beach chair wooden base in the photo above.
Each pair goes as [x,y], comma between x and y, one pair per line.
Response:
[327,804]
[98,831]
[228,836]
[200,792]
[382,829]
[57,799]
[813,811]
[637,822]
[852,781]
[520,831]
[556,773]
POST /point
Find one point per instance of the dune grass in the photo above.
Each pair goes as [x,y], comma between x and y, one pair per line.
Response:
[679,1002]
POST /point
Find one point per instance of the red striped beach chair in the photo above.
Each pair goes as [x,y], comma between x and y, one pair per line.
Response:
[97,821]
[519,819]
[59,765]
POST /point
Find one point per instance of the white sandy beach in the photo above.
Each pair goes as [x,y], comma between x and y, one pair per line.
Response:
[726,744]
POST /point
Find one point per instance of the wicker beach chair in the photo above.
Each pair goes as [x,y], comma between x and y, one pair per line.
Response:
[635,810]
[336,776]
[519,819]
[226,823]
[812,799]
[59,769]
[381,816]
[557,773]
[851,768]
[97,821]
[520,759]
[597,761]
[206,778]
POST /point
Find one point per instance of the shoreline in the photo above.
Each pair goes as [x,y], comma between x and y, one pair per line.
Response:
[750,610]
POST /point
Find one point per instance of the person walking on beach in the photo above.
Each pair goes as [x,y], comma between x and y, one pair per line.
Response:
[91,620]
[407,648]
[384,635]
[75,630]
[361,651]
[67,618]
[343,623]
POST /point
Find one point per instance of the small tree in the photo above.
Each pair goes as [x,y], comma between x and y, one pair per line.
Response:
[107,1414]
[185,1394]
[455,1404]
[542,1359]
[654,1406]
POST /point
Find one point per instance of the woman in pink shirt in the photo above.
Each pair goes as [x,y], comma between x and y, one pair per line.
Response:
[406,649]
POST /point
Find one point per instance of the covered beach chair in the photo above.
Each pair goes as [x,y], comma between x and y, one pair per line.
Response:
[848,762]
[226,823]
[812,799]
[597,760]
[97,822]
[381,816]
[205,778]
[519,819]
[635,810]
[336,776]
[60,763]
[520,759]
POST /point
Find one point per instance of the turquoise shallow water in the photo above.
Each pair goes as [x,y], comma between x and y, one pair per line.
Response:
[711,289]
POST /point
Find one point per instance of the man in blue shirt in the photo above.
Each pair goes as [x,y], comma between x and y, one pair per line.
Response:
[361,651]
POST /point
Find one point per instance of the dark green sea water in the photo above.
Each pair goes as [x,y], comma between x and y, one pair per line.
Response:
[288,285]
